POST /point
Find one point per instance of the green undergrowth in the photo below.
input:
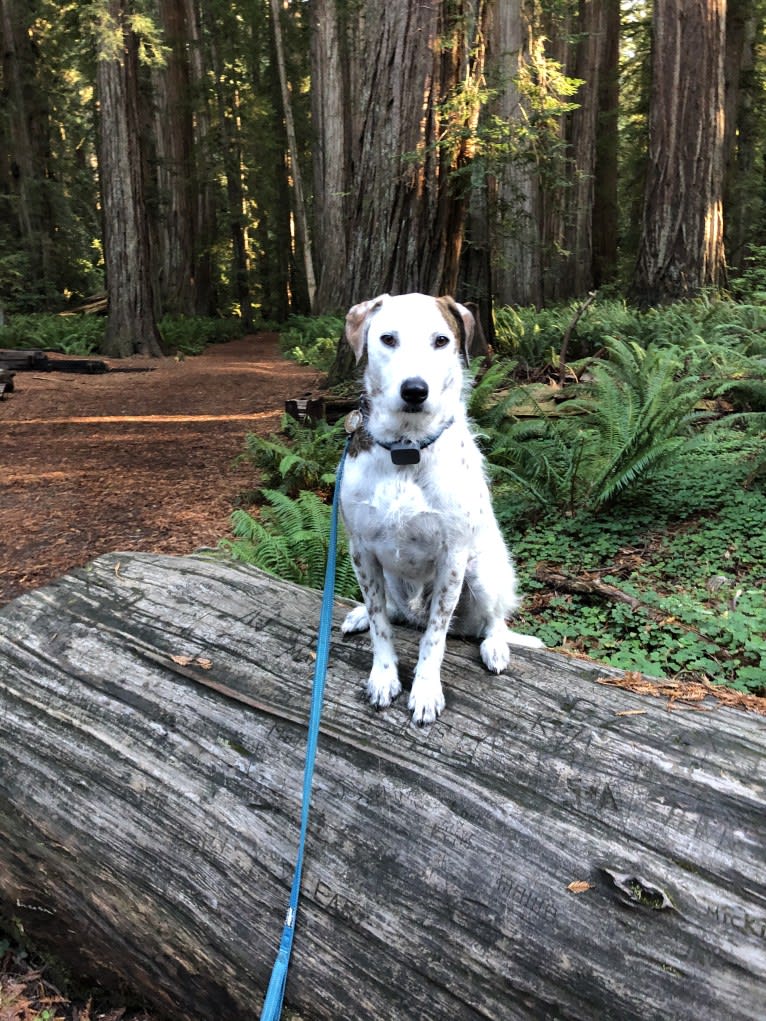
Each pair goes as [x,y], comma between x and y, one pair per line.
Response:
[312,340]
[689,550]
[82,334]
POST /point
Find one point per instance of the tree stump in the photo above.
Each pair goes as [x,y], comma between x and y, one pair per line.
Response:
[551,848]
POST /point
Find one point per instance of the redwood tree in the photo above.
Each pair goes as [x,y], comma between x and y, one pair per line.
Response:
[131,324]
[681,250]
[390,199]
[26,162]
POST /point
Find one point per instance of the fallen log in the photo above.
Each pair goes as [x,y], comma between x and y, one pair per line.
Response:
[551,848]
[38,361]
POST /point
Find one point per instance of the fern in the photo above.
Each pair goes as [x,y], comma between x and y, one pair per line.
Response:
[290,540]
[304,457]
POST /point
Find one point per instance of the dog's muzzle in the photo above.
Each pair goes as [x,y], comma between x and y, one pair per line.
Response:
[414,392]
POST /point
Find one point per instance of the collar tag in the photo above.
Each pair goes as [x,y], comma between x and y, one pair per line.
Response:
[405,452]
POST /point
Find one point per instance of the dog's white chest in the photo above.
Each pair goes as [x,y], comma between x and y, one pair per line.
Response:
[395,519]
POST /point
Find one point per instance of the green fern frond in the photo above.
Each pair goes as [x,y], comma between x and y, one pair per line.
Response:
[290,541]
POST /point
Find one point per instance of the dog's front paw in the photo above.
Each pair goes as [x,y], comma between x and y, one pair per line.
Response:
[426,699]
[383,685]
[356,620]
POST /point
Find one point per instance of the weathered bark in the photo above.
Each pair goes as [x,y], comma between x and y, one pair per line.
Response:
[151,756]
[131,324]
[296,177]
[681,249]
[403,197]
[174,142]
[28,156]
[743,198]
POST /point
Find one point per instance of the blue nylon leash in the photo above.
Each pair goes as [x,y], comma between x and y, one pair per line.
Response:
[272,1004]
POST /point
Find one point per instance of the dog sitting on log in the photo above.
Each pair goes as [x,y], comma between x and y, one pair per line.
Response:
[423,537]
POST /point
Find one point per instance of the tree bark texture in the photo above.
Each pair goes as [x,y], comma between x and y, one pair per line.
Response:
[28,157]
[589,201]
[154,721]
[401,197]
[174,142]
[131,324]
[681,248]
[204,201]
[231,143]
[743,177]
[513,193]
[296,176]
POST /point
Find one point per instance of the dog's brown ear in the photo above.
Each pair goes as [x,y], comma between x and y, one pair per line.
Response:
[471,340]
[356,323]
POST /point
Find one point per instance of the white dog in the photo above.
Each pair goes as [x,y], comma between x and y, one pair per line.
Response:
[423,537]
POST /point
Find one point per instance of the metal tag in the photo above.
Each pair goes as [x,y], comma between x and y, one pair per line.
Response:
[405,452]
[353,421]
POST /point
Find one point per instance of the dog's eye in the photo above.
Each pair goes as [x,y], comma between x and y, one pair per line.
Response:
[388,339]
[441,341]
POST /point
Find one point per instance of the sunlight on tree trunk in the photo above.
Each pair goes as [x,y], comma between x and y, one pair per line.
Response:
[301,219]
[681,249]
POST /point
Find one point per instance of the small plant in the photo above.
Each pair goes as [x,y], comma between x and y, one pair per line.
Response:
[290,539]
[312,340]
[190,335]
[303,457]
[685,554]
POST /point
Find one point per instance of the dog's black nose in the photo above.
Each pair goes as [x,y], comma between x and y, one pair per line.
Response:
[414,391]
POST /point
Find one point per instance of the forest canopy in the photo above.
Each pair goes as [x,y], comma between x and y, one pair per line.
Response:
[255,158]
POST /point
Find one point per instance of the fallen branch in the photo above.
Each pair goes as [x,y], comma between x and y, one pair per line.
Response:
[594,586]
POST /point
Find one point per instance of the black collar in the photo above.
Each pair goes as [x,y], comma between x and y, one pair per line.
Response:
[403,450]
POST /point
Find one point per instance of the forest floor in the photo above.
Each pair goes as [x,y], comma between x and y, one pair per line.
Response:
[131,459]
[127,460]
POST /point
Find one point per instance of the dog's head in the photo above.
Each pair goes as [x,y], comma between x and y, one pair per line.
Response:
[416,348]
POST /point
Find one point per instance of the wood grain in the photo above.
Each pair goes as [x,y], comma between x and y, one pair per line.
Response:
[151,752]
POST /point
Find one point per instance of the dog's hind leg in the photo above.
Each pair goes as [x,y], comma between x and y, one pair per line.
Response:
[356,621]
[494,649]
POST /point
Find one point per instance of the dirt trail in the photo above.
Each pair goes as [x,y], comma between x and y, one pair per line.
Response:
[132,460]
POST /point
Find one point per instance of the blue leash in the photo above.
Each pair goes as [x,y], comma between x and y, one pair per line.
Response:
[272,1004]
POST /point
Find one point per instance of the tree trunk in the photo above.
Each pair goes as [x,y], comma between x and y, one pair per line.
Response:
[604,212]
[228,115]
[681,249]
[204,205]
[131,325]
[413,72]
[268,178]
[329,92]
[173,137]
[29,144]
[743,199]
[154,720]
[513,194]
[590,194]
[296,177]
